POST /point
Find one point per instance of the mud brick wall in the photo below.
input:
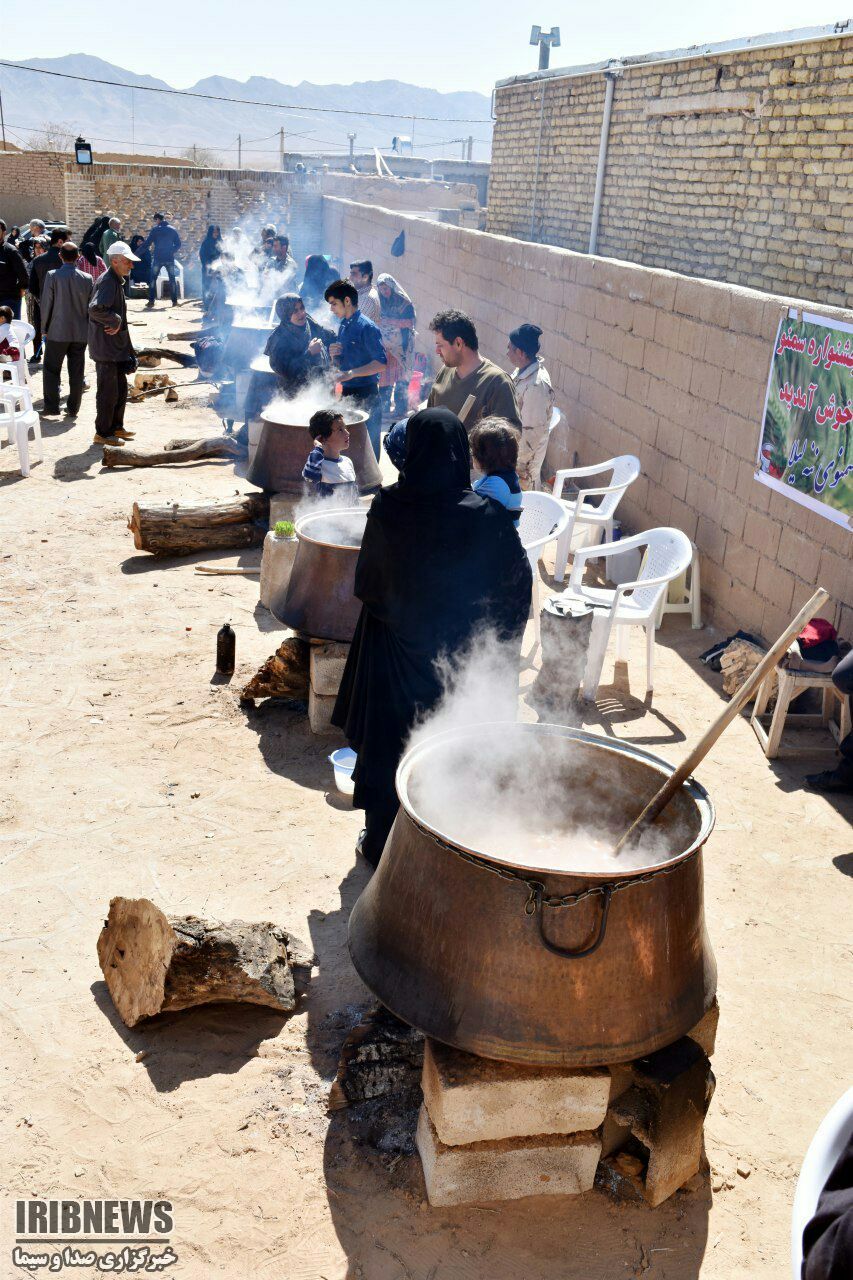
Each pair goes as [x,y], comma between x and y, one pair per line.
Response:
[734,166]
[644,361]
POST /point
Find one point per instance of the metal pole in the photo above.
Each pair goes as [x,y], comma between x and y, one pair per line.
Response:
[2,121]
[611,76]
[544,55]
[239,151]
[536,172]
[281,147]
[470,148]
[352,138]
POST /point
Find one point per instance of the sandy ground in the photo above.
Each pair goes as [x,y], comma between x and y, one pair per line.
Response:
[129,770]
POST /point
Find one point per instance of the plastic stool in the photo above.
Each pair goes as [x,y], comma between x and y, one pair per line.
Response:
[20,418]
[682,598]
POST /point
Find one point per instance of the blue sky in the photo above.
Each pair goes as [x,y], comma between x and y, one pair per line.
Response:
[443,46]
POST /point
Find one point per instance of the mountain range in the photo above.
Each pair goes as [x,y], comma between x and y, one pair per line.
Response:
[114,118]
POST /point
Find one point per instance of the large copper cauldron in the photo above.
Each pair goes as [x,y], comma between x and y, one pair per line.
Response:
[495,955]
[284,446]
[320,600]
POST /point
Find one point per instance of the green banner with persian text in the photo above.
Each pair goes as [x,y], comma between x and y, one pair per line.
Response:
[806,445]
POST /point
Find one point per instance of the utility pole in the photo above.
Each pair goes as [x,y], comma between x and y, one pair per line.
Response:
[239,151]
[470,148]
[2,121]
[352,137]
[545,40]
[281,147]
[195,154]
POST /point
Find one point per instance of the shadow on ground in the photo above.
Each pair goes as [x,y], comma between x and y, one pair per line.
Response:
[214,1039]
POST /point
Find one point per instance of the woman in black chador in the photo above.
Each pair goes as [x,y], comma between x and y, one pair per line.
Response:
[437,563]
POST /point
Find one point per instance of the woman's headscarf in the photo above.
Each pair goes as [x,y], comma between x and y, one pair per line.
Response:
[437,464]
[90,253]
[399,306]
[285,307]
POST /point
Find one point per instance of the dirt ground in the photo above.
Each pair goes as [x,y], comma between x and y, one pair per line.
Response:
[130,770]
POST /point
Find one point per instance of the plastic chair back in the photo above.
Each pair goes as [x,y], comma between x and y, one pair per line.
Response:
[543,518]
[626,468]
[668,554]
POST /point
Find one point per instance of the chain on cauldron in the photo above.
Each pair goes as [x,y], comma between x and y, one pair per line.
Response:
[535,888]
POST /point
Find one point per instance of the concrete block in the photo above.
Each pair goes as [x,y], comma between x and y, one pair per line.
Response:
[327,667]
[473,1099]
[664,1109]
[511,1169]
[320,710]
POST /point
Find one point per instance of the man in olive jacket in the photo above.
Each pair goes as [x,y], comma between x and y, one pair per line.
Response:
[110,346]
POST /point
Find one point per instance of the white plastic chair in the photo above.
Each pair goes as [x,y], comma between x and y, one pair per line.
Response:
[594,522]
[543,519]
[19,418]
[668,553]
[24,335]
[820,1159]
[163,281]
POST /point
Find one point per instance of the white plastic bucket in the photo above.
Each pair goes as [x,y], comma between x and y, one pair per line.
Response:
[343,763]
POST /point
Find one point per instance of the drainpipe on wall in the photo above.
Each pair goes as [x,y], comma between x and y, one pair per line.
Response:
[538,155]
[611,75]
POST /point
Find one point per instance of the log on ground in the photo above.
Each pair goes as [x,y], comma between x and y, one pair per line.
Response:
[175,451]
[179,529]
[153,963]
[284,675]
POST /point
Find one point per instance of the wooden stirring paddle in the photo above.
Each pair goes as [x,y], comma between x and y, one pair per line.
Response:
[776,652]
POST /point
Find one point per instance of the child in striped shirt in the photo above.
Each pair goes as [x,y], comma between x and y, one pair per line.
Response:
[326,472]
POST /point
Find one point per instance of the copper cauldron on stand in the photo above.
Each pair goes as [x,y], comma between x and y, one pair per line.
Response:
[320,600]
[284,446]
[493,950]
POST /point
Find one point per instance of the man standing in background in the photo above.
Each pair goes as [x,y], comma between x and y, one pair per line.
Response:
[110,346]
[26,248]
[361,275]
[50,260]
[164,242]
[65,319]
[13,275]
[469,376]
[109,237]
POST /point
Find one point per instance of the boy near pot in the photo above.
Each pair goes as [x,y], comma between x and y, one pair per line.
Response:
[326,472]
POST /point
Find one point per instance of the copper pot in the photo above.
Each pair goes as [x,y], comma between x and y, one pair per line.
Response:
[496,955]
[320,600]
[284,446]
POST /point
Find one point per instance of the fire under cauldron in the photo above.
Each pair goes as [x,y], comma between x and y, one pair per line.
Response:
[500,950]
[284,446]
[320,601]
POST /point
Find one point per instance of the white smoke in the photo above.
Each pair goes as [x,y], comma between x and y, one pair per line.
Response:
[525,797]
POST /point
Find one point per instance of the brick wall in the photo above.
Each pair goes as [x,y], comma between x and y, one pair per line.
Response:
[194,198]
[648,362]
[32,186]
[734,166]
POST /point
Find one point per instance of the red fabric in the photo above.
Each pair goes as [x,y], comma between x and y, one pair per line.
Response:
[818,631]
[6,349]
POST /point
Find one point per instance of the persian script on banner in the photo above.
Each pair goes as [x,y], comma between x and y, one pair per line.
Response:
[806,445]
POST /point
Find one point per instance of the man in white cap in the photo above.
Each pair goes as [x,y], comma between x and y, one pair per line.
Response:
[110,345]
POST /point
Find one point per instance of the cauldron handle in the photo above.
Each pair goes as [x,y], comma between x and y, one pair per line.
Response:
[535,904]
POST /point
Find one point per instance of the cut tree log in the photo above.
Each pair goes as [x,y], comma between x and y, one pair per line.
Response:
[184,358]
[178,529]
[284,675]
[175,451]
[153,963]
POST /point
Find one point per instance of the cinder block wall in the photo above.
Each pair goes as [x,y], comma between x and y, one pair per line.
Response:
[648,362]
[732,166]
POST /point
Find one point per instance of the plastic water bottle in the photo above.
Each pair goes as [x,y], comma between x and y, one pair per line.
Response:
[226,647]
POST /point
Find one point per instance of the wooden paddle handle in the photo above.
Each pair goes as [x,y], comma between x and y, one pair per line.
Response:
[466,409]
[775,653]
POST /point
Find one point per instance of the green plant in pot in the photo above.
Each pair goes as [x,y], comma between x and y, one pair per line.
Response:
[285,529]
